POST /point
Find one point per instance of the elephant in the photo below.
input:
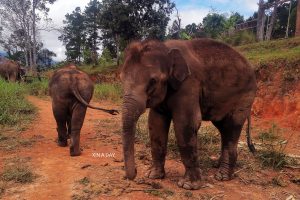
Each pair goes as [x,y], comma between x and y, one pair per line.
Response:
[71,91]
[11,70]
[187,82]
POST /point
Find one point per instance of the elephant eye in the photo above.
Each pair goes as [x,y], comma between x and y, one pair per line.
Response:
[151,85]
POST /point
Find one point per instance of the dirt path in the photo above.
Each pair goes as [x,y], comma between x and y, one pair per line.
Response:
[98,172]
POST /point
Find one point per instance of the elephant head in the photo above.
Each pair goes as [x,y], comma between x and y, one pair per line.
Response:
[150,69]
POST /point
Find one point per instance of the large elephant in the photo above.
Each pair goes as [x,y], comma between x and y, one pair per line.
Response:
[187,82]
[71,91]
[11,70]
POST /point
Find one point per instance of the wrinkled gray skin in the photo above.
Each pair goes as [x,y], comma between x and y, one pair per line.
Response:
[187,82]
[11,70]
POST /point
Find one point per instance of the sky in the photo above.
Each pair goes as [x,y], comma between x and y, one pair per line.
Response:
[189,10]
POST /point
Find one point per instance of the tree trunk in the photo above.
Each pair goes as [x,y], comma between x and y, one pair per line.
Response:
[34,51]
[260,22]
[298,20]
[117,39]
[272,23]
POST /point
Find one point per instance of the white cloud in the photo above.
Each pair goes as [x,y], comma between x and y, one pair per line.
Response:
[190,15]
[57,13]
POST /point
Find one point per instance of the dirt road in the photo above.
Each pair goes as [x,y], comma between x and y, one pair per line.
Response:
[98,172]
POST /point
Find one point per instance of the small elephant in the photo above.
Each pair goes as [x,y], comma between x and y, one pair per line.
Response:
[71,91]
[187,82]
[11,70]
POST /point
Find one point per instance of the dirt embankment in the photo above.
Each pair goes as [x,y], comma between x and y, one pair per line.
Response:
[278,96]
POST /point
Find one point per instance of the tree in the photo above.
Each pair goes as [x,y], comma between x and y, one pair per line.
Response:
[23,16]
[195,31]
[280,25]
[234,19]
[297,21]
[91,28]
[214,24]
[73,36]
[45,58]
[125,20]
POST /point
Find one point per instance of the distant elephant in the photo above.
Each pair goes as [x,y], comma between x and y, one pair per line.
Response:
[11,70]
[71,91]
[186,81]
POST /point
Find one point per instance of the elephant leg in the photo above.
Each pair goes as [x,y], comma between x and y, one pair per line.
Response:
[230,132]
[60,115]
[69,125]
[230,128]
[78,115]
[158,129]
[186,124]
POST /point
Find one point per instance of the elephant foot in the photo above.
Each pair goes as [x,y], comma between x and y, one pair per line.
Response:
[224,174]
[74,152]
[62,143]
[156,173]
[191,180]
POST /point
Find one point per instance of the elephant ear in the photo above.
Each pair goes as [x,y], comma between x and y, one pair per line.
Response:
[179,68]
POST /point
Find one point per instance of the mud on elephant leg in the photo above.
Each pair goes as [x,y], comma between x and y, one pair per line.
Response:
[186,136]
[230,133]
[158,129]
[78,116]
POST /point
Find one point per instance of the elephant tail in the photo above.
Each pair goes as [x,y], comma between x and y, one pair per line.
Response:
[249,140]
[81,100]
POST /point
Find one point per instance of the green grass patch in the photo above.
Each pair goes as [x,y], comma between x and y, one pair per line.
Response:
[18,171]
[108,91]
[283,51]
[38,88]
[14,108]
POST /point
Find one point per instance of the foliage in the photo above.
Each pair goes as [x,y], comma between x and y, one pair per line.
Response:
[73,36]
[14,109]
[282,20]
[239,38]
[107,91]
[91,29]
[214,24]
[38,88]
[19,19]
[106,58]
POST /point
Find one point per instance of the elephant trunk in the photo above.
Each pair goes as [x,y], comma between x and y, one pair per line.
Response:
[131,111]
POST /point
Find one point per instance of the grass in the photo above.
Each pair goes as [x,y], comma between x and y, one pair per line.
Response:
[108,91]
[285,50]
[11,140]
[272,154]
[84,181]
[18,171]
[276,54]
[38,88]
[104,69]
[14,108]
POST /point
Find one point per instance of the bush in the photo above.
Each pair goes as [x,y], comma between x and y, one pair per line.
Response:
[239,38]
[38,88]
[14,108]
[108,91]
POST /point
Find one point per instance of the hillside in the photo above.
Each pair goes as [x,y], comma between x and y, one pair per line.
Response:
[271,52]
[277,68]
